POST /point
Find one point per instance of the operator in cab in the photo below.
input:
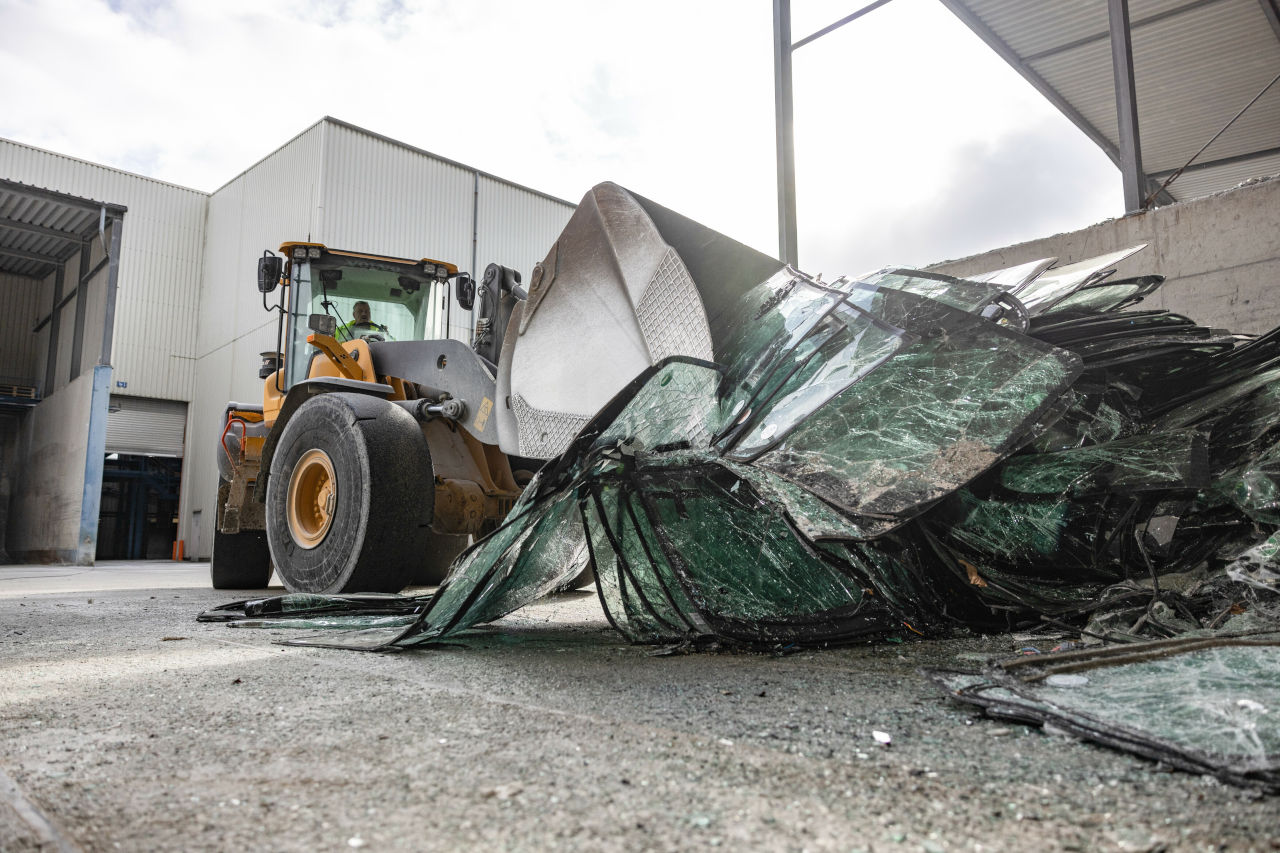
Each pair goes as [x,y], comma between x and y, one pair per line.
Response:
[361,324]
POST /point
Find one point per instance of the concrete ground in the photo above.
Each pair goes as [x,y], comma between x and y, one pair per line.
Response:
[126,725]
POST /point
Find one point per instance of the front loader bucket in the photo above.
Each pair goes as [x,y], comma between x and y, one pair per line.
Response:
[627,284]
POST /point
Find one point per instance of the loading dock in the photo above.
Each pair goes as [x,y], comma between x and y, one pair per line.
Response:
[59,264]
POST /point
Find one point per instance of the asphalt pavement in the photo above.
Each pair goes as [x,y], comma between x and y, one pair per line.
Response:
[127,725]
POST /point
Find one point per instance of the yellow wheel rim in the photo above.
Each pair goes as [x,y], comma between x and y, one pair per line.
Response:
[313,493]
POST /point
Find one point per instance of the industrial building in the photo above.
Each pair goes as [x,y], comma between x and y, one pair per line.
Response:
[131,317]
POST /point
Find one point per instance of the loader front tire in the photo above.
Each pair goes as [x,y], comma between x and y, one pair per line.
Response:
[350,497]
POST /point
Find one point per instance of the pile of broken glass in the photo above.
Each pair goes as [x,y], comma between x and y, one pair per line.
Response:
[898,453]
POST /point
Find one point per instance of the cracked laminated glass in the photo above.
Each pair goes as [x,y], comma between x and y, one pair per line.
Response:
[685,541]
[1207,707]
[1051,286]
[756,580]
[1107,296]
[970,296]
[941,411]
[1011,278]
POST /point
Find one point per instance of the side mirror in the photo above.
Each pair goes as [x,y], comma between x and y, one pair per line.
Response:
[269,269]
[323,324]
[464,288]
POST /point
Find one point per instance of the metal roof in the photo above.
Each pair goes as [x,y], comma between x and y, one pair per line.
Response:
[1196,64]
[40,229]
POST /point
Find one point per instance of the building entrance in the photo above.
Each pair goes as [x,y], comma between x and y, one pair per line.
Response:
[138,519]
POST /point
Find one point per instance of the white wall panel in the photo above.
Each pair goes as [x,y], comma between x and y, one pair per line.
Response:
[383,197]
[386,198]
[275,201]
[155,324]
[516,227]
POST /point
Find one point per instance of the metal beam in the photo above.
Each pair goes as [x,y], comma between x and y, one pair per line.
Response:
[113,276]
[1052,95]
[60,304]
[870,7]
[1135,25]
[51,359]
[1009,55]
[785,132]
[24,255]
[1131,174]
[1221,161]
[94,461]
[1271,8]
[6,222]
[82,300]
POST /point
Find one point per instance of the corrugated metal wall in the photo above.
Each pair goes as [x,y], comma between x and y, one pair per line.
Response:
[21,355]
[276,200]
[516,227]
[385,197]
[155,325]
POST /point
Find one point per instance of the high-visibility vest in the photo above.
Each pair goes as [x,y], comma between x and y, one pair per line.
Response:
[351,331]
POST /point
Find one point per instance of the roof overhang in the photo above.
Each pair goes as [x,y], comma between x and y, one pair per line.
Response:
[1195,65]
[41,229]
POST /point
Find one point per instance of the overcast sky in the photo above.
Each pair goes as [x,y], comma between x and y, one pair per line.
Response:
[914,142]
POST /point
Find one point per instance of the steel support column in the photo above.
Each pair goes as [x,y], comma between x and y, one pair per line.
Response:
[51,360]
[1130,149]
[82,299]
[113,277]
[1271,8]
[94,461]
[785,131]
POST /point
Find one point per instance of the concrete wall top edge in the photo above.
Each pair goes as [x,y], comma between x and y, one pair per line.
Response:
[1024,249]
[1219,255]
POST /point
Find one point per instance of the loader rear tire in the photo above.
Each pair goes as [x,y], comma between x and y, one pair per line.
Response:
[240,560]
[350,497]
[441,551]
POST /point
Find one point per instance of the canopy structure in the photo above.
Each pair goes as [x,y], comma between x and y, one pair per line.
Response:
[40,232]
[41,229]
[1177,74]
[1182,95]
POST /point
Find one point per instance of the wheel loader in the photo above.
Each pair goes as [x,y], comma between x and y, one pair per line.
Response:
[376,454]
[382,444]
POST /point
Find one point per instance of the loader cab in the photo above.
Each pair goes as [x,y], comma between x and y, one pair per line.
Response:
[399,293]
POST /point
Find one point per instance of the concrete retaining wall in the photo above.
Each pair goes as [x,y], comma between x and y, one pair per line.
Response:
[1220,255]
[52,443]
